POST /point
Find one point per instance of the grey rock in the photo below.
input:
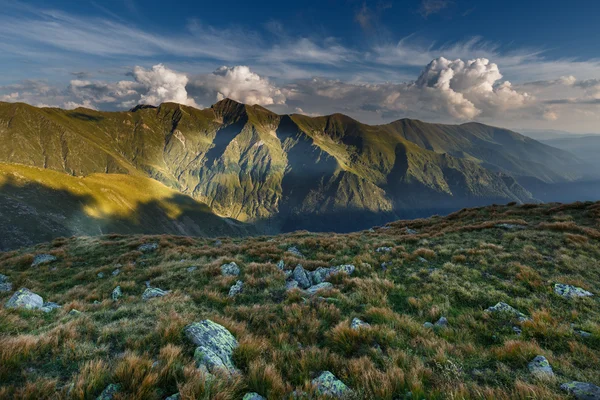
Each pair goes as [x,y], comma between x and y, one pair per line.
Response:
[217,243]
[583,334]
[422,260]
[321,274]
[289,285]
[25,298]
[294,250]
[253,396]
[3,278]
[442,322]
[582,390]
[384,250]
[321,286]
[510,227]
[236,289]
[116,293]
[41,259]
[49,307]
[411,231]
[100,275]
[570,291]
[503,308]
[109,392]
[6,287]
[517,330]
[301,276]
[358,324]
[74,312]
[281,265]
[151,293]
[428,325]
[175,396]
[327,384]
[215,345]
[540,367]
[230,269]
[191,269]
[116,272]
[148,247]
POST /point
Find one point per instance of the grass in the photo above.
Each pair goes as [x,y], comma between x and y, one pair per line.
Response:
[456,266]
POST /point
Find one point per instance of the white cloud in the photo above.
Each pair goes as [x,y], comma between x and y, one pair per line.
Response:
[429,7]
[163,85]
[71,105]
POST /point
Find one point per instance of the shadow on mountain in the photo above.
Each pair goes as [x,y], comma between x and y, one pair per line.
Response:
[85,117]
[33,213]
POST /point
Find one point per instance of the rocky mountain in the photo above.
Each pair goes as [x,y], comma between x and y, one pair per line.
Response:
[286,172]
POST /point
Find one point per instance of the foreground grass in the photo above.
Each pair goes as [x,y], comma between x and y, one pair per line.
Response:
[455,266]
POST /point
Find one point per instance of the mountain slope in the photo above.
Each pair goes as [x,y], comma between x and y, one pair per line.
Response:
[587,148]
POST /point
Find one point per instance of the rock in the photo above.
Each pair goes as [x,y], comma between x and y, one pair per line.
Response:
[583,334]
[358,324]
[569,291]
[295,252]
[175,396]
[116,293]
[281,265]
[510,227]
[230,269]
[215,345]
[151,293]
[217,243]
[25,298]
[301,276]
[49,307]
[3,278]
[540,367]
[116,272]
[191,269]
[100,275]
[582,390]
[41,259]
[148,247]
[236,289]
[411,231]
[517,330]
[327,384]
[442,322]
[5,285]
[253,396]
[74,312]
[428,325]
[384,249]
[321,286]
[502,307]
[423,260]
[109,392]
[321,274]
[289,285]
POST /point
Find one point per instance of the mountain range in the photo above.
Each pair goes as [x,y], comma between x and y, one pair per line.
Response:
[270,173]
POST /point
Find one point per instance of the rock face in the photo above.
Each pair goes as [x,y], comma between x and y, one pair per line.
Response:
[215,345]
[357,324]
[253,396]
[327,384]
[5,285]
[301,276]
[41,259]
[116,293]
[540,367]
[569,291]
[582,390]
[109,392]
[503,308]
[236,289]
[25,298]
[230,269]
[151,293]
[148,247]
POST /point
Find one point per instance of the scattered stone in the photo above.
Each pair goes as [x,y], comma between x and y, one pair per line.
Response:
[109,392]
[96,302]
[175,396]
[517,330]
[148,247]
[294,250]
[41,259]
[100,275]
[321,286]
[411,231]
[74,312]
[215,345]
[116,272]
[49,307]
[151,293]
[301,276]
[253,396]
[116,293]
[570,291]
[147,283]
[428,325]
[582,390]
[327,384]
[385,265]
[230,269]
[502,307]
[583,334]
[281,265]
[540,367]
[236,289]
[423,260]
[358,324]
[217,243]
[384,250]
[442,322]
[191,269]
[289,285]
[25,298]
[5,285]
[510,227]
[321,274]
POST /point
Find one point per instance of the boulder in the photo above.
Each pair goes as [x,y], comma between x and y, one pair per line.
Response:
[215,345]
[151,293]
[428,325]
[116,293]
[503,308]
[301,276]
[5,285]
[570,291]
[321,286]
[358,324]
[295,252]
[236,289]
[100,275]
[41,259]
[442,322]
[289,285]
[253,396]
[25,298]
[327,384]
[384,249]
[582,390]
[148,247]
[109,392]
[49,307]
[321,274]
[540,367]
[116,272]
[230,269]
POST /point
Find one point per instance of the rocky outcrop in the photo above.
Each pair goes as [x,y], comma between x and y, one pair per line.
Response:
[215,345]
[302,277]
[570,291]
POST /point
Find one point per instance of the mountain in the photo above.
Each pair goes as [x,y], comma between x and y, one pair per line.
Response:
[586,148]
[38,205]
[543,135]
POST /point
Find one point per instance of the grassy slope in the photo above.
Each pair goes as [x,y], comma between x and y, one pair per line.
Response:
[38,205]
[286,338]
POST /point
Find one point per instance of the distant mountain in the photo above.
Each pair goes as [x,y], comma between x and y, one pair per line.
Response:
[286,172]
[543,135]
[586,148]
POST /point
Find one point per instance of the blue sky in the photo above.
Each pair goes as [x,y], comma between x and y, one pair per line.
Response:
[532,65]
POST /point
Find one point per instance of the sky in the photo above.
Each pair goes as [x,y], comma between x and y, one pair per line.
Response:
[516,64]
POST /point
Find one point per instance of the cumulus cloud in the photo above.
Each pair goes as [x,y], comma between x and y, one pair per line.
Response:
[163,85]
[241,84]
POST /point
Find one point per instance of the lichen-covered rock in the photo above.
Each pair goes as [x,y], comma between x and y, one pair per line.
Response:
[442,322]
[215,345]
[570,291]
[236,289]
[148,247]
[109,392]
[582,390]
[230,269]
[540,367]
[321,286]
[253,396]
[294,251]
[49,307]
[358,323]
[25,298]
[301,276]
[503,308]
[152,292]
[116,293]
[41,259]
[328,385]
